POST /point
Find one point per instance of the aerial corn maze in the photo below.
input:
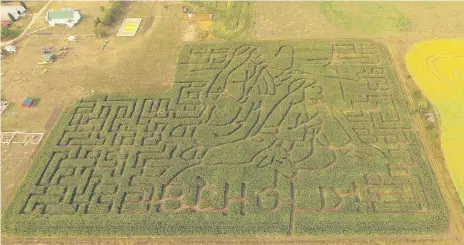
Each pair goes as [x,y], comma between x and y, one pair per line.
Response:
[258,138]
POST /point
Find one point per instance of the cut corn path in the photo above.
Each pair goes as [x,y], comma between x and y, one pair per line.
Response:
[438,69]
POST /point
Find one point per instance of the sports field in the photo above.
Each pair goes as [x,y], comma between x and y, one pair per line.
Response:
[438,69]
[267,138]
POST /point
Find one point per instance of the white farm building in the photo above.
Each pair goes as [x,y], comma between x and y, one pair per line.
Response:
[65,16]
[15,11]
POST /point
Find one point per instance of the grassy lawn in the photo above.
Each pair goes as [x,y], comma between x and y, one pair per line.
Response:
[142,9]
[259,138]
[368,17]
[358,19]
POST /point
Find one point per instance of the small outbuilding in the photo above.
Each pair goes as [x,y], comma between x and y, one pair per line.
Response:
[15,11]
[48,58]
[10,49]
[200,17]
[65,16]
[72,38]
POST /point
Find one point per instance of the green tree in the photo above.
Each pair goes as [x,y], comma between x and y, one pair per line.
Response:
[11,17]
[97,21]
[5,32]
[423,105]
[102,8]
[23,4]
[417,94]
[100,30]
[111,13]
[97,26]
[109,17]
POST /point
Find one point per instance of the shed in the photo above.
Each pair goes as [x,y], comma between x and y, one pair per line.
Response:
[10,49]
[200,17]
[15,11]
[49,58]
[66,16]
[72,38]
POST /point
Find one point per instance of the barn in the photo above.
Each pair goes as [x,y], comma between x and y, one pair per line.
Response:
[15,11]
[65,16]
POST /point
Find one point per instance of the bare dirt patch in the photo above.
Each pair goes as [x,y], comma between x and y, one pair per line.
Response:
[51,121]
[15,159]
[191,31]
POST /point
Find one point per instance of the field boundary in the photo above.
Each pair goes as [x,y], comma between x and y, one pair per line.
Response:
[9,138]
[101,141]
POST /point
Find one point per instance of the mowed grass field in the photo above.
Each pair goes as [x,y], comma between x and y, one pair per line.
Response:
[438,69]
[259,138]
[145,60]
[399,20]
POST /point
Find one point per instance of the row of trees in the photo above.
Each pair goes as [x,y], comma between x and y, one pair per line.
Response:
[109,17]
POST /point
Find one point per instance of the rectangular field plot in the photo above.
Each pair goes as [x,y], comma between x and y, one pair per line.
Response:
[129,27]
[264,138]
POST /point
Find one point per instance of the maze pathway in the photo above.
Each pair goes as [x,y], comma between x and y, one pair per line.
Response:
[301,137]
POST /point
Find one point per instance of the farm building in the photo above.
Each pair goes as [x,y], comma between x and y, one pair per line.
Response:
[65,16]
[48,58]
[15,11]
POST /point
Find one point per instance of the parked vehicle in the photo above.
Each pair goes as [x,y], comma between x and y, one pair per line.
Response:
[6,23]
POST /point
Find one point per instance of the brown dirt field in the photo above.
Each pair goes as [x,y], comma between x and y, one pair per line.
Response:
[106,71]
[191,31]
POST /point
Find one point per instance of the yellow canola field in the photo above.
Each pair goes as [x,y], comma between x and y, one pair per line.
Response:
[437,67]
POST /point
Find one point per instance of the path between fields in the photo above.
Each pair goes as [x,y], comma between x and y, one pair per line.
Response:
[34,18]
